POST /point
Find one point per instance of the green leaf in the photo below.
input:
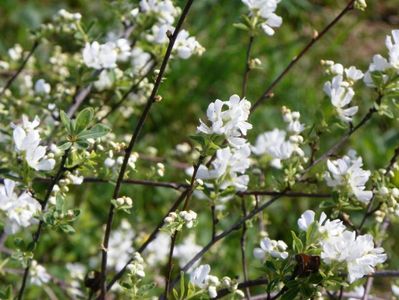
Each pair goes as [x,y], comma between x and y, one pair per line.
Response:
[97,131]
[65,146]
[59,204]
[296,243]
[67,229]
[66,121]
[83,119]
[290,294]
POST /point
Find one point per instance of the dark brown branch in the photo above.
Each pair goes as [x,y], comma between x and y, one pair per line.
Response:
[247,67]
[316,38]
[20,69]
[133,141]
[37,234]
[242,285]
[242,246]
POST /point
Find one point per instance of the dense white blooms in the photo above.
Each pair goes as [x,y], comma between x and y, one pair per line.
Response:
[228,118]
[38,274]
[265,9]
[100,56]
[185,251]
[140,61]
[356,253]
[77,274]
[123,50]
[20,210]
[164,10]
[157,251]
[278,144]
[27,139]
[270,247]
[228,168]
[347,172]
[120,245]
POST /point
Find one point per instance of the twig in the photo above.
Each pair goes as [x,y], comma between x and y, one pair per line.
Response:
[316,38]
[37,234]
[242,244]
[20,69]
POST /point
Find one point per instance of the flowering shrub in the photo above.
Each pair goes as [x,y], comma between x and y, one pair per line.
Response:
[112,187]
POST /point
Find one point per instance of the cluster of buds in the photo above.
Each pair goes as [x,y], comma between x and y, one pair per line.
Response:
[175,221]
[232,286]
[136,267]
[63,21]
[160,169]
[123,203]
[71,178]
[112,161]
[294,128]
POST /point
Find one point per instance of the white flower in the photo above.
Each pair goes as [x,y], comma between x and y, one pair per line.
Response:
[347,172]
[341,96]
[185,251]
[392,43]
[200,275]
[104,81]
[353,74]
[265,9]
[158,33]
[326,227]
[27,140]
[358,253]
[229,165]
[100,56]
[38,274]
[163,9]
[42,87]
[157,251]
[186,45]
[122,47]
[274,144]
[140,61]
[230,122]
[395,289]
[273,248]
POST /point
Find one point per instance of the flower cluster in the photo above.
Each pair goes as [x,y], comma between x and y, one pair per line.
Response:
[347,173]
[275,143]
[228,168]
[229,119]
[27,142]
[265,11]
[343,248]
[276,249]
[38,274]
[340,90]
[136,267]
[175,221]
[20,211]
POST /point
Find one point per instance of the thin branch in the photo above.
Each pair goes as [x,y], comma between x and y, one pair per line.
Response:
[242,285]
[316,38]
[247,67]
[37,234]
[20,69]
[242,246]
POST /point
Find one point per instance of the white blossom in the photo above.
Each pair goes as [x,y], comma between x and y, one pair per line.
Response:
[27,139]
[100,56]
[270,247]
[228,118]
[38,274]
[163,9]
[358,253]
[347,172]
[228,168]
[201,278]
[42,87]
[265,9]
